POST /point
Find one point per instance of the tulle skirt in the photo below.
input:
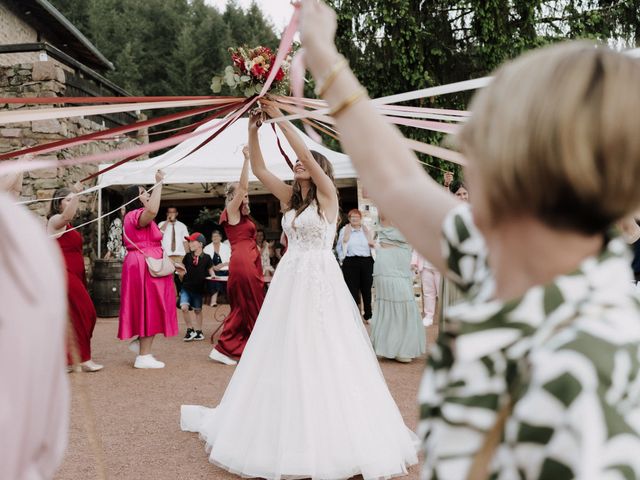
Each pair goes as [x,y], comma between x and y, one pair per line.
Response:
[308,399]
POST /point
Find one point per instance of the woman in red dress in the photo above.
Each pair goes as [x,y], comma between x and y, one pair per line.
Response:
[81,310]
[245,287]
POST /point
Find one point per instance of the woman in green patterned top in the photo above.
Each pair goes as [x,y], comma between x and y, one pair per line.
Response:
[536,375]
[396,327]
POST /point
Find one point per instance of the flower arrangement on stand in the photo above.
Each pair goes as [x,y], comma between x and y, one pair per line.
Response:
[249,71]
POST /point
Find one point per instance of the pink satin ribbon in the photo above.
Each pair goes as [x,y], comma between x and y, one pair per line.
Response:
[104,135]
[315,117]
[283,50]
[8,167]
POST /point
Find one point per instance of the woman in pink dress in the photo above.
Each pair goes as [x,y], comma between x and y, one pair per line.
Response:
[82,313]
[148,304]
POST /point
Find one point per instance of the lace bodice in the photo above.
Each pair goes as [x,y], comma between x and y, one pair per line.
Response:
[309,231]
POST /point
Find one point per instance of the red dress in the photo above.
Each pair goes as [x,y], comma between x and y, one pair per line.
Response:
[81,309]
[245,287]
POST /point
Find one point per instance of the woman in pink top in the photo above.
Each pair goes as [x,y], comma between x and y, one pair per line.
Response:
[148,304]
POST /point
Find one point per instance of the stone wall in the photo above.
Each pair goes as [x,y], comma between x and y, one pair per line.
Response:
[47,79]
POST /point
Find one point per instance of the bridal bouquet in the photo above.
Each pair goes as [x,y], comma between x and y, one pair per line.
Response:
[249,71]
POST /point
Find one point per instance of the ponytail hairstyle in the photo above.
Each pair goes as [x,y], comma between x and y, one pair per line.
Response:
[230,192]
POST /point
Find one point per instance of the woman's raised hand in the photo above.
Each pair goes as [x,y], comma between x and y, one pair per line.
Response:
[255,120]
[159,176]
[317,24]
[245,152]
[270,109]
[77,187]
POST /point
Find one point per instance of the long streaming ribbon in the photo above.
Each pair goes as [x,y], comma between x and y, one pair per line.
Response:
[283,50]
[224,111]
[109,100]
[30,115]
[104,134]
[316,117]
[10,167]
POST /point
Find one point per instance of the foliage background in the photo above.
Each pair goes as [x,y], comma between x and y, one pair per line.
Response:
[173,47]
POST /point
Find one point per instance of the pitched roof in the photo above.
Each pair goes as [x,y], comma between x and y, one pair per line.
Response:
[59,31]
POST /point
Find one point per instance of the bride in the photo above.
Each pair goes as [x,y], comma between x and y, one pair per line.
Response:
[308,399]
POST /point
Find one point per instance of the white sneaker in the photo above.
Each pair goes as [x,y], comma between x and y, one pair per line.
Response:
[147,361]
[427,321]
[134,346]
[403,360]
[91,366]
[216,356]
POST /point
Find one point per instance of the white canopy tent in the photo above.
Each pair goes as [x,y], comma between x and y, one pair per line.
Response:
[218,162]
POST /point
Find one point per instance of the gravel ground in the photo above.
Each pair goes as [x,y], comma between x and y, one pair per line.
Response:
[137,412]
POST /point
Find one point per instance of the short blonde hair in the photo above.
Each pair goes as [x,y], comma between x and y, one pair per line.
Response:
[230,191]
[557,135]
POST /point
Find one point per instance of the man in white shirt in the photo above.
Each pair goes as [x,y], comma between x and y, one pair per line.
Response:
[174,231]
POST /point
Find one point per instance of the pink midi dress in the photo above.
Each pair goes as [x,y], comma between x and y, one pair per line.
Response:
[148,304]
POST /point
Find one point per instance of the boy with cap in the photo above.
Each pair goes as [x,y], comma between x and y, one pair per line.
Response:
[194,277]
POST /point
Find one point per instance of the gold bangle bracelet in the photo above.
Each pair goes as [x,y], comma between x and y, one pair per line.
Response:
[328,80]
[348,102]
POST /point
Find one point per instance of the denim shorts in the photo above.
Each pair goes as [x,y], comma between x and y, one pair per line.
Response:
[194,300]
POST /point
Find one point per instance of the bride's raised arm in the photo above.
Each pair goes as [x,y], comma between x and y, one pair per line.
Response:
[276,186]
[326,188]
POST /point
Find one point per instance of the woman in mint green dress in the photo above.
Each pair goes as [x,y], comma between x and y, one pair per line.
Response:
[396,327]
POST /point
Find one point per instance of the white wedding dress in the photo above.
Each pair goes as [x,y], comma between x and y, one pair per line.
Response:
[307,399]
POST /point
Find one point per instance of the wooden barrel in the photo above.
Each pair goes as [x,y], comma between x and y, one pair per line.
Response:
[106,287]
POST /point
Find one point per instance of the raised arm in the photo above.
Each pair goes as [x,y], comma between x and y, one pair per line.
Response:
[58,222]
[234,206]
[12,183]
[277,187]
[153,205]
[387,167]
[325,186]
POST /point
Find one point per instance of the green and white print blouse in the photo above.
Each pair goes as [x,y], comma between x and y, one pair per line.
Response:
[567,353]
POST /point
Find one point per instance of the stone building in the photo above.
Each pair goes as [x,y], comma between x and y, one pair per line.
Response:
[43,55]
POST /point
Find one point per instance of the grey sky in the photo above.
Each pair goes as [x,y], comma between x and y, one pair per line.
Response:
[278,11]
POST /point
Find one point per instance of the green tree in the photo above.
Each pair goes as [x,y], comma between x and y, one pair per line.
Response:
[250,27]
[167,47]
[402,45]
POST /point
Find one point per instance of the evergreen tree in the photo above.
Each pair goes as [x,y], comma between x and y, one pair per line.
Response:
[167,47]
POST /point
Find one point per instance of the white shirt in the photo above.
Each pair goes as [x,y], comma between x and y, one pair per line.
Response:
[225,253]
[181,232]
[358,245]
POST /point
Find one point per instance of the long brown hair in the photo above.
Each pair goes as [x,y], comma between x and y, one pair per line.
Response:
[298,203]
[59,195]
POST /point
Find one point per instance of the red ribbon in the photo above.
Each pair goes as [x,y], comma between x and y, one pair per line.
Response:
[282,152]
[83,100]
[70,142]
[128,159]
